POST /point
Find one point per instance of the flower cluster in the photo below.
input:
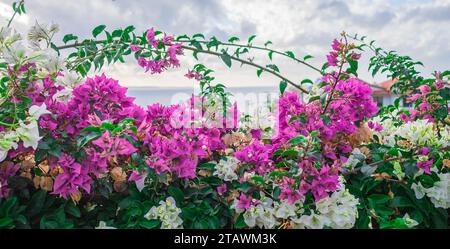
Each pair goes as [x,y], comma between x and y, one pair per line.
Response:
[7,169]
[167,212]
[318,160]
[226,169]
[439,193]
[27,132]
[167,58]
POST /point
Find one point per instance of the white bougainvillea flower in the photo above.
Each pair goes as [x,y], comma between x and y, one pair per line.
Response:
[49,62]
[419,132]
[7,141]
[68,79]
[410,222]
[313,221]
[167,212]
[252,214]
[226,169]
[285,210]
[37,111]
[102,225]
[419,190]
[440,193]
[29,134]
[14,53]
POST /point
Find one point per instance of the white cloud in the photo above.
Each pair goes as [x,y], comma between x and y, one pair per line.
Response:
[416,28]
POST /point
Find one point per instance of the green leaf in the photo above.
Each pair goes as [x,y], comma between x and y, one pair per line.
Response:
[283,85]
[117,33]
[233,39]
[258,179]
[36,203]
[306,81]
[176,193]
[307,57]
[198,36]
[259,72]
[226,58]
[97,30]
[240,223]
[208,166]
[273,67]
[251,38]
[267,43]
[290,153]
[85,139]
[72,209]
[181,37]
[69,37]
[290,54]
[314,98]
[22,8]
[7,206]
[270,55]
[353,67]
[149,224]
[297,140]
[378,198]
[445,93]
[401,201]
[6,222]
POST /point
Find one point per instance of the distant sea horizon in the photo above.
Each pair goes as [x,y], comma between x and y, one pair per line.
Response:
[172,95]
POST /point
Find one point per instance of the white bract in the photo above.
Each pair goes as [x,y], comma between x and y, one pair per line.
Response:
[387,134]
[419,132]
[8,140]
[410,222]
[262,214]
[340,209]
[29,134]
[226,169]
[439,194]
[312,221]
[356,157]
[37,111]
[102,225]
[167,212]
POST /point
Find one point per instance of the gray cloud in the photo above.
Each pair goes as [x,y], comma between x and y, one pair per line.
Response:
[416,28]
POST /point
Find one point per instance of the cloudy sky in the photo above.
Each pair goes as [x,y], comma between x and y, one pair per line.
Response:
[418,28]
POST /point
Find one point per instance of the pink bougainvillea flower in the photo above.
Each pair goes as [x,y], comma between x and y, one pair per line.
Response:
[425,166]
[74,178]
[355,56]
[7,169]
[135,48]
[375,126]
[122,147]
[150,35]
[287,192]
[104,142]
[423,151]
[221,189]
[336,45]
[332,59]
[244,202]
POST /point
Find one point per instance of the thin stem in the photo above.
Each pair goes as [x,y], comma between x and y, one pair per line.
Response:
[265,49]
[248,63]
[76,44]
[14,14]
[336,79]
[6,124]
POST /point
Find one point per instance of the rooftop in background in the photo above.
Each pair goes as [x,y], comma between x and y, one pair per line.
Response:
[383,88]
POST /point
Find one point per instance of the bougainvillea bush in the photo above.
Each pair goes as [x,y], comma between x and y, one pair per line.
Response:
[77,152]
